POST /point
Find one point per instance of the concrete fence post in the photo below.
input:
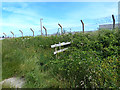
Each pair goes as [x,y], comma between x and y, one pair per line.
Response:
[41,25]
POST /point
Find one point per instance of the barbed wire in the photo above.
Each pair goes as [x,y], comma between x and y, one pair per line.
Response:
[93,24]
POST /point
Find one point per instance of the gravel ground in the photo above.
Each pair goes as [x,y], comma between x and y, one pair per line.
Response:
[13,82]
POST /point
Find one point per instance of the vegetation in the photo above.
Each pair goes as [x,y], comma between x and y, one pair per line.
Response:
[91,61]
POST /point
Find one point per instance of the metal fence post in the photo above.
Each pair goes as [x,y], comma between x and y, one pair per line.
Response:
[12,33]
[82,25]
[32,31]
[113,21]
[21,33]
[5,35]
[45,30]
[61,28]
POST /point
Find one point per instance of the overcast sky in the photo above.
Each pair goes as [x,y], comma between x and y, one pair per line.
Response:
[25,15]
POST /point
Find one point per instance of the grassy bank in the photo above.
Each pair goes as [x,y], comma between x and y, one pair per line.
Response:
[91,60]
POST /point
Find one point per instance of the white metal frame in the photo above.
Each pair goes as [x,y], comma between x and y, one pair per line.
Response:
[59,45]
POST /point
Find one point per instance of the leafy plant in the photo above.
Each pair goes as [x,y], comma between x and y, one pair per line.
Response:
[92,60]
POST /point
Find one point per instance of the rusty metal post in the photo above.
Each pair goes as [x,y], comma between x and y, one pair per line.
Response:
[32,31]
[41,25]
[61,28]
[12,33]
[82,25]
[21,33]
[113,21]
[45,30]
[5,35]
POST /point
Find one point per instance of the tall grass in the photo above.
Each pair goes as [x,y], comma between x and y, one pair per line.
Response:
[90,61]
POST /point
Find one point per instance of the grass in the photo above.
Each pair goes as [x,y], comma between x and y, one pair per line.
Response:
[33,59]
[23,60]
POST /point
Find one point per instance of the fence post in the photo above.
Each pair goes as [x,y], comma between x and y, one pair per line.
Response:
[41,25]
[82,25]
[32,31]
[12,33]
[55,51]
[61,28]
[113,21]
[21,33]
[45,30]
[5,35]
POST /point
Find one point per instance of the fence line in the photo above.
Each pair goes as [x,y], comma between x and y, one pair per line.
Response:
[83,28]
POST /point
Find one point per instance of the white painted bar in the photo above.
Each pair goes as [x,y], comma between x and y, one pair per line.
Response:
[60,50]
[60,44]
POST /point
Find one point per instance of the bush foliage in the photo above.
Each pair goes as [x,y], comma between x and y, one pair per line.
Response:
[91,61]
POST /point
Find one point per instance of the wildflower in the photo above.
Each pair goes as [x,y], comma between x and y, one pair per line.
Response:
[79,62]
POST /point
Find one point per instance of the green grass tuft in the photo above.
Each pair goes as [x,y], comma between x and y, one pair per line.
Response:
[91,60]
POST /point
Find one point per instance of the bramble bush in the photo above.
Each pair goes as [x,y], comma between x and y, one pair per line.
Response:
[92,60]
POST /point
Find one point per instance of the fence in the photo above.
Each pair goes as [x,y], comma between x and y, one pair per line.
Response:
[59,45]
[61,27]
